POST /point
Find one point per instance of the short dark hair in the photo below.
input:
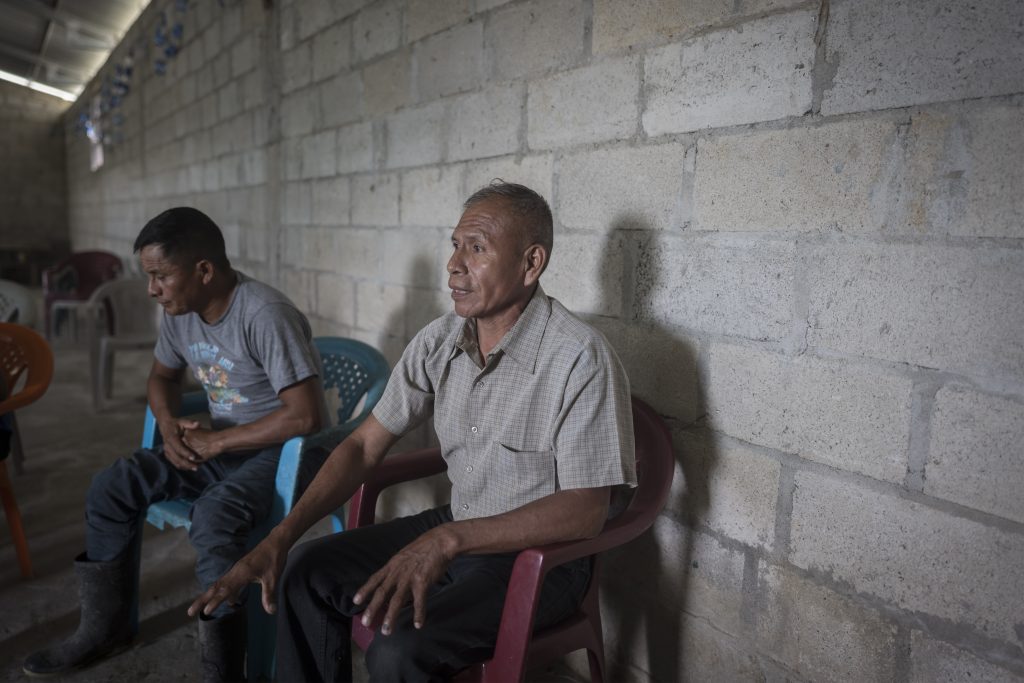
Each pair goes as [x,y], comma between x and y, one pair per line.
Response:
[185,235]
[531,211]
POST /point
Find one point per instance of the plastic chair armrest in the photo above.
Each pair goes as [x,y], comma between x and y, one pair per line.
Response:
[395,469]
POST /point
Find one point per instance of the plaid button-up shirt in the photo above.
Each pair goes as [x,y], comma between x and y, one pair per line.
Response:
[548,410]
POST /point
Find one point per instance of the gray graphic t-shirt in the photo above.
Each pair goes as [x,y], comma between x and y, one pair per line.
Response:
[261,345]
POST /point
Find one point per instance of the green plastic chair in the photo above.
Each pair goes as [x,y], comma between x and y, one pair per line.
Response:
[359,373]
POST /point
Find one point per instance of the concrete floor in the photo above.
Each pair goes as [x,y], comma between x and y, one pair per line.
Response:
[65,443]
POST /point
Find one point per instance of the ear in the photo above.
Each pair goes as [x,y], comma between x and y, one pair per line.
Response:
[535,262]
[206,271]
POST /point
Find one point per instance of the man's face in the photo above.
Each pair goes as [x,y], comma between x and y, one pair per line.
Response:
[487,269]
[176,287]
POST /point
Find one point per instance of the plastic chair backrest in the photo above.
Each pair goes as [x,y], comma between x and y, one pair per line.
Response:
[128,302]
[88,270]
[23,350]
[16,304]
[353,369]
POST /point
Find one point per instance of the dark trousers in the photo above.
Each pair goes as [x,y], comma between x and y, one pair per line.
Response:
[463,612]
[232,494]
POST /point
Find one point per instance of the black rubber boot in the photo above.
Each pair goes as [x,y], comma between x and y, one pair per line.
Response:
[106,625]
[222,647]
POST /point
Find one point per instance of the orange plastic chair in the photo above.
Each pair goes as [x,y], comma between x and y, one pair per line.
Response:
[21,350]
[519,647]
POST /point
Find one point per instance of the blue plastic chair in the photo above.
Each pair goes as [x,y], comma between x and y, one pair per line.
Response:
[359,373]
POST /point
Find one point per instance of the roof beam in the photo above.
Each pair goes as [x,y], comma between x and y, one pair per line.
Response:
[102,36]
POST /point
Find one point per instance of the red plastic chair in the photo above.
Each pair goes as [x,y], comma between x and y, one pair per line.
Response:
[21,350]
[518,648]
[75,278]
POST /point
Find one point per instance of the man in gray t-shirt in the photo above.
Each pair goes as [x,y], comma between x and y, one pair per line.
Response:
[252,351]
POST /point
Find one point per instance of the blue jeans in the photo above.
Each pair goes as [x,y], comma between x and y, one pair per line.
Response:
[315,607]
[232,494]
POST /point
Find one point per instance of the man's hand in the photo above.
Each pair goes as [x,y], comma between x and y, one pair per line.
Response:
[263,565]
[407,575]
[175,449]
[204,443]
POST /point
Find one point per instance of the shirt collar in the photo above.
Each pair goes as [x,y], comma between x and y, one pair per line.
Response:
[521,343]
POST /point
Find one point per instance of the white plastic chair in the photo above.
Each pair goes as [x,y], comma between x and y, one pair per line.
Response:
[16,305]
[135,321]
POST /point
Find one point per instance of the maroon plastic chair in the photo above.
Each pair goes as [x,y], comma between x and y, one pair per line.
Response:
[518,648]
[75,278]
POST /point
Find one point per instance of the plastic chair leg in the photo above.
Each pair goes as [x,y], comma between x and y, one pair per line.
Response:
[14,522]
[17,452]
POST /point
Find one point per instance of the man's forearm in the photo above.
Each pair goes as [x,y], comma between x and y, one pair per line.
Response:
[164,396]
[270,430]
[338,479]
[562,516]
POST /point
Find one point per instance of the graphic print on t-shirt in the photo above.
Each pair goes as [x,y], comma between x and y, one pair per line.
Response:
[214,372]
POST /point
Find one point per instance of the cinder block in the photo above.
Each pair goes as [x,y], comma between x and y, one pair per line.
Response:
[377,30]
[622,26]
[933,660]
[731,488]
[679,568]
[387,83]
[424,17]
[431,196]
[298,203]
[291,154]
[336,298]
[975,451]
[313,16]
[799,179]
[663,644]
[821,635]
[535,37]
[535,172]
[297,67]
[637,187]
[915,557]
[375,200]
[299,112]
[586,273]
[731,77]
[355,252]
[229,101]
[346,8]
[331,201]
[414,136]
[412,259]
[253,94]
[662,367]
[484,5]
[380,308]
[593,104]
[332,51]
[450,62]
[485,123]
[631,25]
[300,287]
[424,306]
[341,100]
[243,55]
[734,287]
[319,155]
[844,415]
[355,148]
[897,53]
[964,173]
[954,308]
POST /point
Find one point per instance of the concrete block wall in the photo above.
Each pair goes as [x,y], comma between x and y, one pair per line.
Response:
[799,222]
[34,200]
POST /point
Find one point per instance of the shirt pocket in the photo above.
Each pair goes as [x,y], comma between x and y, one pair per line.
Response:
[528,473]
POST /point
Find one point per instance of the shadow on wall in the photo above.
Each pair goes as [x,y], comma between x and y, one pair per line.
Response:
[647,583]
[419,308]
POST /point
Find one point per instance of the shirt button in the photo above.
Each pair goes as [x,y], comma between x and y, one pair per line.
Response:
[473,429]
[469,468]
[465,506]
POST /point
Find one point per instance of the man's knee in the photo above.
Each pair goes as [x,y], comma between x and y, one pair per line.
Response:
[404,655]
[113,490]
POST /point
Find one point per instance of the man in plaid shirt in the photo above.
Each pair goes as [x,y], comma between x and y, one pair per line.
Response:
[531,408]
